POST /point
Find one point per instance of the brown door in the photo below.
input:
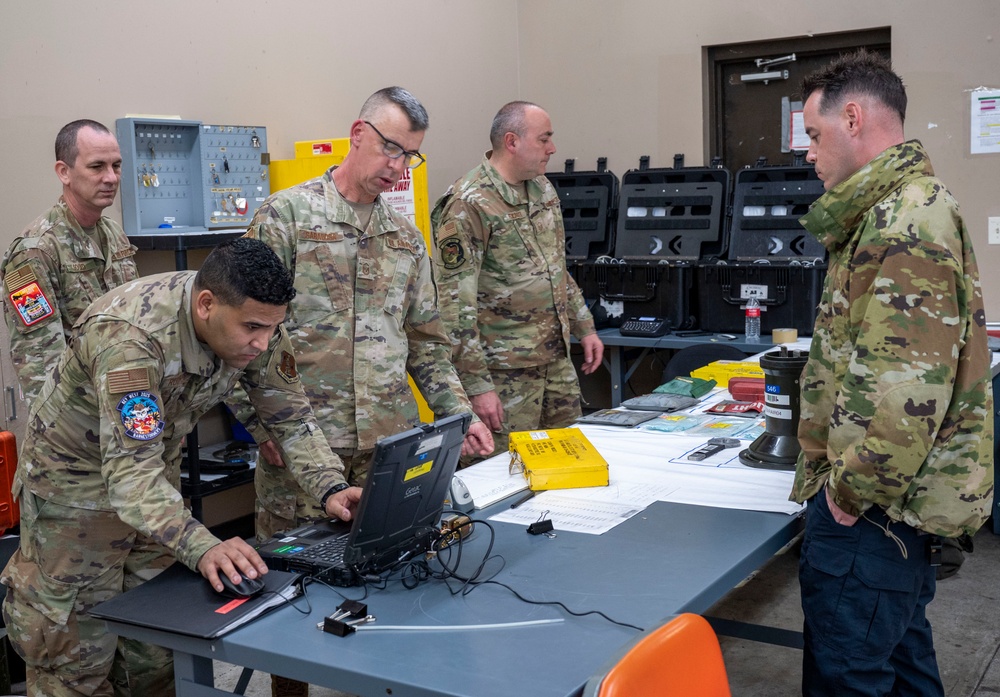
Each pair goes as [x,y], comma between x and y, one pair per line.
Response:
[746,113]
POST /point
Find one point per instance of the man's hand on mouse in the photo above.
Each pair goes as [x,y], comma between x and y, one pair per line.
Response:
[232,557]
[343,504]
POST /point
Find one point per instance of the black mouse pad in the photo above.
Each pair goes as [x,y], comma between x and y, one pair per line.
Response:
[180,600]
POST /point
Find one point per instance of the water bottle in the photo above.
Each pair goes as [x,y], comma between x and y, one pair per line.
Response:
[753,320]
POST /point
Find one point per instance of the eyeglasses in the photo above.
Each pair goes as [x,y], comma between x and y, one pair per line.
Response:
[394,150]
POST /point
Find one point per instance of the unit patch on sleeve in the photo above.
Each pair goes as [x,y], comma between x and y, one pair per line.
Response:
[141,415]
[452,252]
[27,296]
[287,369]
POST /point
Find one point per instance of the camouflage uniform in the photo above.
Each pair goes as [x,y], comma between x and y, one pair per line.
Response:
[364,314]
[506,299]
[55,269]
[896,421]
[101,464]
[896,399]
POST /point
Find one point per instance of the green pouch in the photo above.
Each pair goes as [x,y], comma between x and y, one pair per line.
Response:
[688,387]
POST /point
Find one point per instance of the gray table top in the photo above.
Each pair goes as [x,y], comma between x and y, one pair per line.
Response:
[668,559]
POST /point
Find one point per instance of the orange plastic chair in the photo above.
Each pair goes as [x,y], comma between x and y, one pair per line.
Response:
[680,659]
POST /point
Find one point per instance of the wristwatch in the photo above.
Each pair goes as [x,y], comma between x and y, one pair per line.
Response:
[333,490]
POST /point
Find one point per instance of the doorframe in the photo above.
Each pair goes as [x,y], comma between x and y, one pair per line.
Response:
[718,56]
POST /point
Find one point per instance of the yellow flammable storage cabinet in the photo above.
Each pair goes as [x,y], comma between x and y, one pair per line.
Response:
[409,196]
[313,157]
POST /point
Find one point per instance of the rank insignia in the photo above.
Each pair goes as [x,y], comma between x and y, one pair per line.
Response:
[452,253]
[287,369]
[141,415]
[31,304]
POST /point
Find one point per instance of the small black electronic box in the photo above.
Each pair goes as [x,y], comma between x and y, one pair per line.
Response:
[645,326]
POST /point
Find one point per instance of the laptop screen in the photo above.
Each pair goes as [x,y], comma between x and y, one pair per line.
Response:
[402,501]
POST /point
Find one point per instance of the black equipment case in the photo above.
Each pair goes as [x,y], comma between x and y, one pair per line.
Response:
[672,214]
[589,207]
[668,220]
[770,254]
[589,204]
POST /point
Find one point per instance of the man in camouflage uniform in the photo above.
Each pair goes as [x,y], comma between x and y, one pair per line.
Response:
[101,461]
[68,257]
[896,407]
[505,297]
[365,312]
[61,263]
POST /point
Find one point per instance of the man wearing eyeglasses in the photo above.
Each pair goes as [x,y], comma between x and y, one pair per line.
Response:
[366,308]
[505,296]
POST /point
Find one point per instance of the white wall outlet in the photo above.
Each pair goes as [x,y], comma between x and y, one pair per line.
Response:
[993,225]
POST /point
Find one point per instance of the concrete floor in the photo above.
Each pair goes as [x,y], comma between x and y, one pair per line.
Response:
[965,616]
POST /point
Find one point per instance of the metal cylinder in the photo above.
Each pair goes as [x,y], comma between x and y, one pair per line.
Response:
[778,446]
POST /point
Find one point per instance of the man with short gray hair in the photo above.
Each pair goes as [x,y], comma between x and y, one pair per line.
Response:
[365,314]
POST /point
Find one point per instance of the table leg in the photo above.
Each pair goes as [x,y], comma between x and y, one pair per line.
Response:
[195,676]
[615,354]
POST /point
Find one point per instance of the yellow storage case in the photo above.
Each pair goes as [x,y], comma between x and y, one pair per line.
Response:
[560,458]
[721,371]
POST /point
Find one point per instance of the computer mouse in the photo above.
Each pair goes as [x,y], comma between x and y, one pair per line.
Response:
[246,588]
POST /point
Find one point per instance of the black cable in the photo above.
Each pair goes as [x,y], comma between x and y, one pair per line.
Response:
[472,581]
[306,580]
[563,606]
[451,570]
[413,572]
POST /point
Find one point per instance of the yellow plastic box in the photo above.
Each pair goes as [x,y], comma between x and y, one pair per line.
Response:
[560,458]
[721,371]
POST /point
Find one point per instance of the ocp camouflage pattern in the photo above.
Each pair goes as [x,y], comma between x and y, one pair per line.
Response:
[896,404]
[505,296]
[72,268]
[364,315]
[138,344]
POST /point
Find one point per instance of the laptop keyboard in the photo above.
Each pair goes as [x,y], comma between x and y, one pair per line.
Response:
[331,551]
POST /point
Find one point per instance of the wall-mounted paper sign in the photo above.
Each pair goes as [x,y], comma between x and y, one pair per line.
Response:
[797,138]
[985,128]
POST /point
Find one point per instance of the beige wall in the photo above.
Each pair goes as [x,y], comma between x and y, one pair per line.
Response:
[625,79]
[621,79]
[302,68]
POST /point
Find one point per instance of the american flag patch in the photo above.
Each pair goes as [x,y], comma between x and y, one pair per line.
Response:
[129,380]
[19,278]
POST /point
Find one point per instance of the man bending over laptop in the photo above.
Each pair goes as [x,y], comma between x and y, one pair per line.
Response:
[101,459]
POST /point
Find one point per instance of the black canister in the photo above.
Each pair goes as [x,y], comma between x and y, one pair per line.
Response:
[778,446]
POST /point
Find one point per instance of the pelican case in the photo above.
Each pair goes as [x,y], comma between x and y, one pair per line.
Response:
[588,201]
[10,511]
[767,204]
[788,296]
[668,220]
[770,254]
